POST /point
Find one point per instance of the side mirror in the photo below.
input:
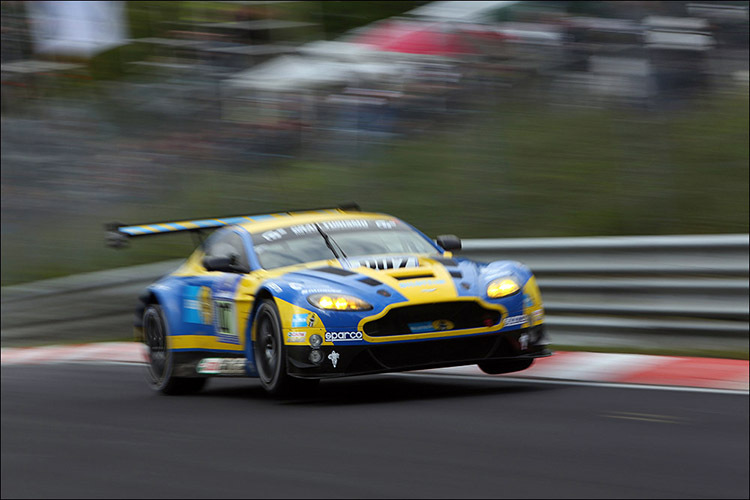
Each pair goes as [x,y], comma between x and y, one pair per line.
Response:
[449,242]
[224,264]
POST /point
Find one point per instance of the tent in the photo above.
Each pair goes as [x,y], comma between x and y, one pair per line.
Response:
[464,11]
[288,73]
[409,37]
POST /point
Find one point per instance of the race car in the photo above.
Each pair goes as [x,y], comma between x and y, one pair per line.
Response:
[295,297]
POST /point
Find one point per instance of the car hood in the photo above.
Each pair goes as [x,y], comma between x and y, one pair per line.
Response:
[396,278]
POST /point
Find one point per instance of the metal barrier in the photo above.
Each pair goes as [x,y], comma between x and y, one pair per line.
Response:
[685,292]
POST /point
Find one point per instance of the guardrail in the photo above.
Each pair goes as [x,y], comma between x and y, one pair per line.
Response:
[620,292]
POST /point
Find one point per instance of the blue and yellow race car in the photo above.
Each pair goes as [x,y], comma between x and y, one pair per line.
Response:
[295,297]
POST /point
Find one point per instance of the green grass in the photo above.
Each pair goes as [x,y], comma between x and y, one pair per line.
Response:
[522,170]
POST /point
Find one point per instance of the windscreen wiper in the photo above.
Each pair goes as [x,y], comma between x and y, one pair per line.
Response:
[332,245]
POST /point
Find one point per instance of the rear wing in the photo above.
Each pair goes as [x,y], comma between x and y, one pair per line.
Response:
[118,234]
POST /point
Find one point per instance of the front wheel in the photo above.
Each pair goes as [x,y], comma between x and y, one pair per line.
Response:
[270,354]
[498,366]
[160,359]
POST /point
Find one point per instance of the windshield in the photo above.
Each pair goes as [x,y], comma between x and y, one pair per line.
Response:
[355,237]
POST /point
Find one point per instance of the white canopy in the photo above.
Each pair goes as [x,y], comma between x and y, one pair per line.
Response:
[336,50]
[77,28]
[288,73]
[459,10]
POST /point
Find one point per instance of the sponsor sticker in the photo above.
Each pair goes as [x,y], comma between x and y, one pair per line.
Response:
[221,366]
[385,224]
[226,326]
[274,234]
[299,320]
[204,297]
[300,287]
[523,341]
[438,325]
[273,286]
[528,300]
[308,291]
[516,320]
[296,336]
[537,315]
[209,365]
[334,357]
[421,327]
[385,263]
[197,305]
[442,324]
[343,336]
[425,282]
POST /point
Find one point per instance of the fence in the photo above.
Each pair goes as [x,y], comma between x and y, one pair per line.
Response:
[686,292]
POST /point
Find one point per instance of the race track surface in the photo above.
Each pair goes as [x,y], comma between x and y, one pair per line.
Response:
[97,431]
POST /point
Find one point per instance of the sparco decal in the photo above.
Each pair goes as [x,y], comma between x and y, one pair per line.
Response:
[343,336]
[516,320]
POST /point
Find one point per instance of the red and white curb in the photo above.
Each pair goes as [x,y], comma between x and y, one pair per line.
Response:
[121,352]
[642,369]
[710,373]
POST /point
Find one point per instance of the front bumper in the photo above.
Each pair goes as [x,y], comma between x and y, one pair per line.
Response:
[347,360]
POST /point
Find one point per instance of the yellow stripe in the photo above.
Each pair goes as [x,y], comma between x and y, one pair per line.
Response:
[164,226]
[186,224]
[200,342]
[150,228]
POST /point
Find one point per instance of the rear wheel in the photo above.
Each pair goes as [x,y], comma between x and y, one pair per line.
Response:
[498,366]
[270,354]
[160,359]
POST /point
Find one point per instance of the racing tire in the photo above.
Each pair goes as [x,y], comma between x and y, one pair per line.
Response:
[160,360]
[498,366]
[270,355]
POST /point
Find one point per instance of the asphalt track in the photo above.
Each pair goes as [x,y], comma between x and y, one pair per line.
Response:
[96,431]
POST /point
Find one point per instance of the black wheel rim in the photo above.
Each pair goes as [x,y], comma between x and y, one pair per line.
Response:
[267,348]
[155,341]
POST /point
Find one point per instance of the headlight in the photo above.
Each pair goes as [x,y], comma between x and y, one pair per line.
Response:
[338,302]
[502,287]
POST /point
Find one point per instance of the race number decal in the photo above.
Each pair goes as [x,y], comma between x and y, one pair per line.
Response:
[226,325]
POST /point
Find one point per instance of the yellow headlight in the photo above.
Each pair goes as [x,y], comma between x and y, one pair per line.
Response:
[338,302]
[325,302]
[502,288]
[341,303]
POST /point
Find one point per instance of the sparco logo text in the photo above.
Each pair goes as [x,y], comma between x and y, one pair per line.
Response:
[343,336]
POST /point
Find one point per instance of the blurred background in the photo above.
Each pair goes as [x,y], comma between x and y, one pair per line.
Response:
[487,119]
